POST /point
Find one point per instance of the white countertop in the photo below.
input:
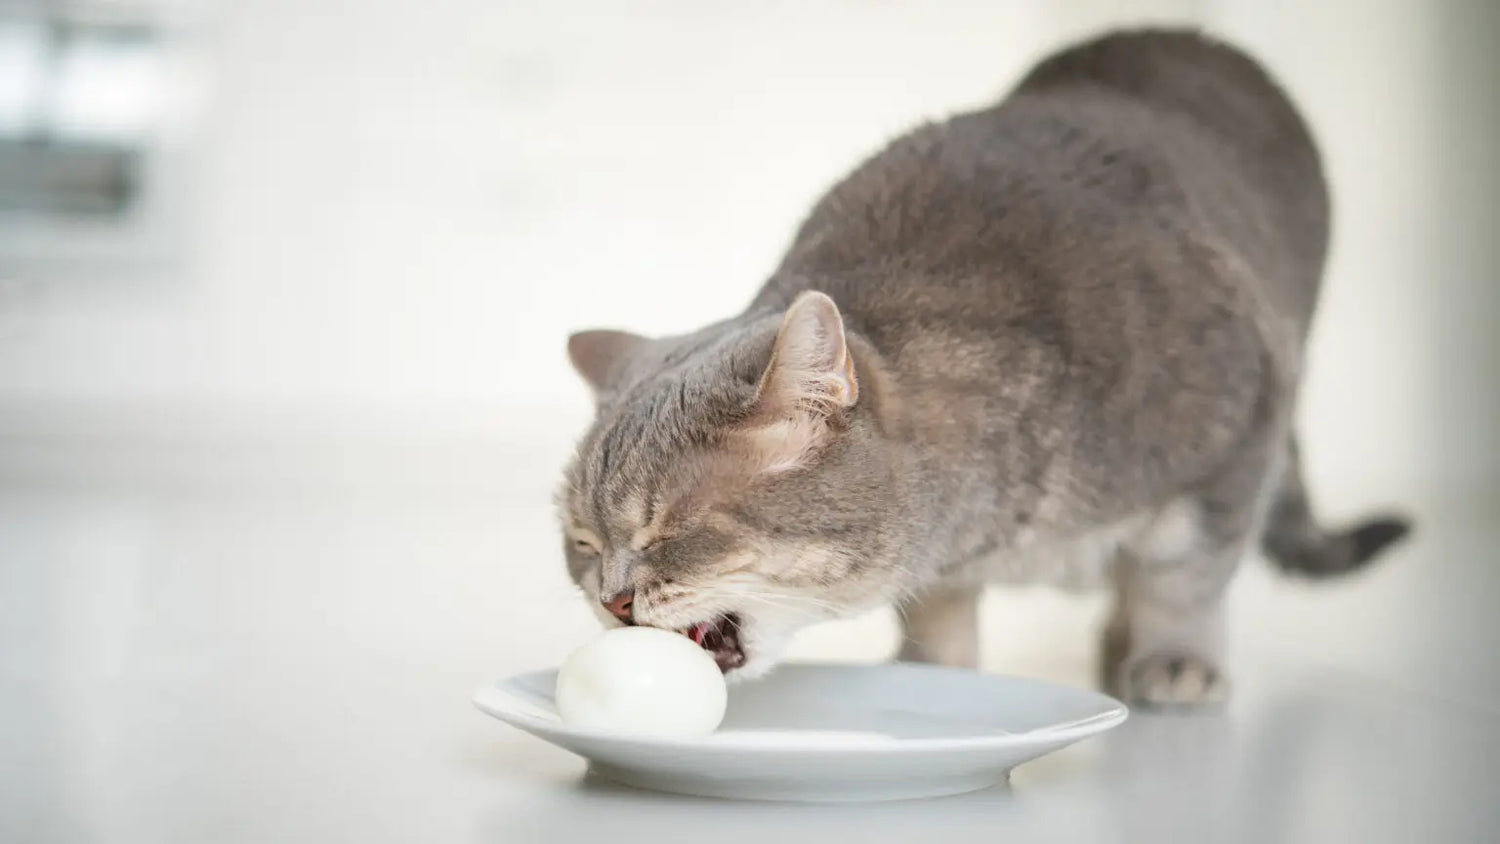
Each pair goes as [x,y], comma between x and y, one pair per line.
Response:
[180,666]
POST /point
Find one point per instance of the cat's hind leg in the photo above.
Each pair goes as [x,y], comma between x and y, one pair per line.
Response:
[1164,644]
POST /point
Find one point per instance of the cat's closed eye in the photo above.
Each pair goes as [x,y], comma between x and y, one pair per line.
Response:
[585,544]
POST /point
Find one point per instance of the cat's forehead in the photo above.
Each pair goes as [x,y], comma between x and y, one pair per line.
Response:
[657,445]
[659,475]
[636,455]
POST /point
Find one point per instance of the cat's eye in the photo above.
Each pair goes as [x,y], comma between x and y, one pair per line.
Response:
[583,540]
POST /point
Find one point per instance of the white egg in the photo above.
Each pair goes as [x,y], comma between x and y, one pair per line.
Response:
[642,681]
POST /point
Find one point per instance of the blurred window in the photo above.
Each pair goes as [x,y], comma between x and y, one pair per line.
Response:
[80,97]
[95,137]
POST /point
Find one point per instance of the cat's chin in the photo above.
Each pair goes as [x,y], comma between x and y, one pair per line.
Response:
[762,650]
[754,668]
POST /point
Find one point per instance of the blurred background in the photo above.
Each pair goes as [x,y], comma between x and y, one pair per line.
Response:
[284,288]
[225,223]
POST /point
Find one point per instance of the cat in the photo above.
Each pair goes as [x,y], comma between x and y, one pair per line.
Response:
[1057,340]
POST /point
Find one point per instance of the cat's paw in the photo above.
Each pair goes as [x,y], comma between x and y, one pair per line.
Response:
[1168,680]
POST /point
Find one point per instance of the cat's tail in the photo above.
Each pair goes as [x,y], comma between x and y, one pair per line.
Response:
[1296,543]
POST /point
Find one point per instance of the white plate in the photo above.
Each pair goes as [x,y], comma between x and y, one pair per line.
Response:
[834,732]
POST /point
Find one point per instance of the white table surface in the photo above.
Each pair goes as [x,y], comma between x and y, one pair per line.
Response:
[180,666]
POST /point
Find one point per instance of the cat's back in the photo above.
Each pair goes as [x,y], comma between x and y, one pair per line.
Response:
[1122,256]
[1183,73]
[1103,153]
[1216,98]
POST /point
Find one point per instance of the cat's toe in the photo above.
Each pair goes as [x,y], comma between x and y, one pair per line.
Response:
[1170,680]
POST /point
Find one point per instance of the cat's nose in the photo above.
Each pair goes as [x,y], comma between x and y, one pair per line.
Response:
[620,606]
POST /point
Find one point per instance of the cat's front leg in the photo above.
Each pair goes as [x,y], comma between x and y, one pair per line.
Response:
[942,626]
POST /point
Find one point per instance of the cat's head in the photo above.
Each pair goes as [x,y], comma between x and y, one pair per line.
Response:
[735,484]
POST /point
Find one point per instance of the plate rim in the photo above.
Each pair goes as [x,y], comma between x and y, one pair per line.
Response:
[1113,712]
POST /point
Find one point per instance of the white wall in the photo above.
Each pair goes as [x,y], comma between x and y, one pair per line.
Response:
[401,208]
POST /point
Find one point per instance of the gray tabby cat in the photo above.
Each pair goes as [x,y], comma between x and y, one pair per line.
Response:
[1055,341]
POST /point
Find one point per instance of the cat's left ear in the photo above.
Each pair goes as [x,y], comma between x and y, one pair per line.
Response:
[600,355]
[811,371]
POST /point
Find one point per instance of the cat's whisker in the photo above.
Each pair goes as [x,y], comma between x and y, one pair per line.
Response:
[786,598]
[805,609]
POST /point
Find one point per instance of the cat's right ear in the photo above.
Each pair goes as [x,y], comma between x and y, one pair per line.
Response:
[600,355]
[811,370]
[807,386]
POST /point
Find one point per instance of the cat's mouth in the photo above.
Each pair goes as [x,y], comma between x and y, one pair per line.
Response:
[721,638]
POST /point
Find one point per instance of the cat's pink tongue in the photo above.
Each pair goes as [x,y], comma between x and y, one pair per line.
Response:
[699,632]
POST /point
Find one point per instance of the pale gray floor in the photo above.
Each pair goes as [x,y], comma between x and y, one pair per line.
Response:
[180,666]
